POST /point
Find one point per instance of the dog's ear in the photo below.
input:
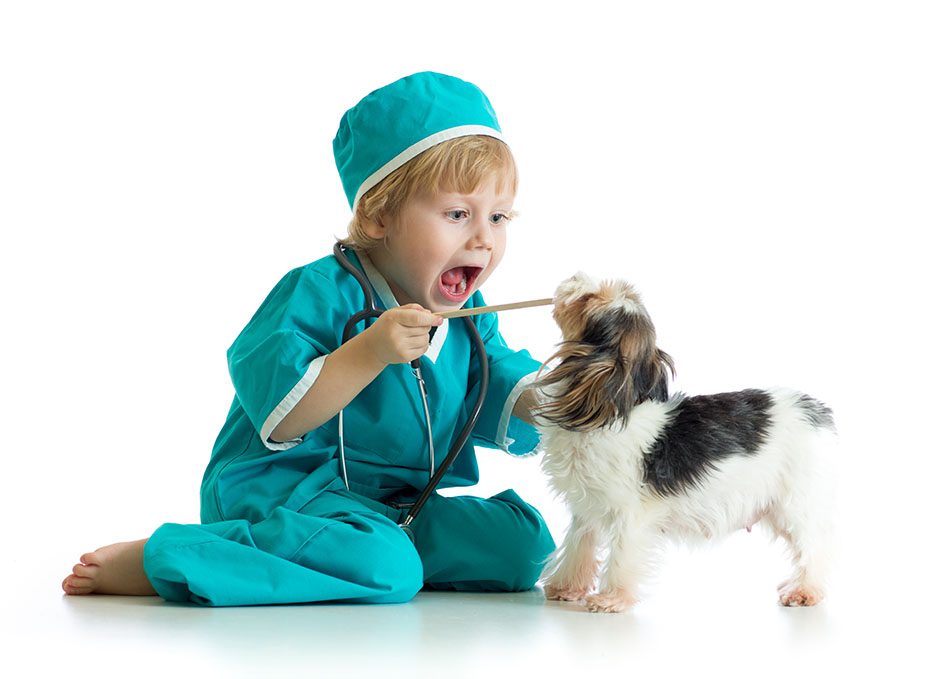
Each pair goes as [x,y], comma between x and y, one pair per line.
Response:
[650,367]
[650,377]
[589,389]
[614,366]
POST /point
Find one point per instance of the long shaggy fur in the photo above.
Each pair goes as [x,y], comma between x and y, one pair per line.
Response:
[637,467]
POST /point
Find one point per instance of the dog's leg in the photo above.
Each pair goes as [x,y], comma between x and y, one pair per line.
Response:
[630,546]
[802,522]
[572,572]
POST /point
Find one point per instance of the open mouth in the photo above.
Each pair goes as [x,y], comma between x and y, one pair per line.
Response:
[458,283]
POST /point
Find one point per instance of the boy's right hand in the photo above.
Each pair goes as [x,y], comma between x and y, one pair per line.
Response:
[401,335]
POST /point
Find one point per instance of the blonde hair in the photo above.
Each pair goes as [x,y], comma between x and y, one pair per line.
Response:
[460,165]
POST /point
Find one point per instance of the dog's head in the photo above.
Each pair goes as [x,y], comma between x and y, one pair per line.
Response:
[608,362]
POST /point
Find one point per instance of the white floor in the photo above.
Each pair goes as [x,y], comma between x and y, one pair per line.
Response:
[714,609]
[711,609]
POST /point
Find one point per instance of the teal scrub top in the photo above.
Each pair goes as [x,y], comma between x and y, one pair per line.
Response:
[278,356]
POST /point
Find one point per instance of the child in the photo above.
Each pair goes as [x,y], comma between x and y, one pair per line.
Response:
[431,185]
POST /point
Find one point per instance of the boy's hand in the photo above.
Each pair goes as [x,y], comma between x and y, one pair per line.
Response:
[401,335]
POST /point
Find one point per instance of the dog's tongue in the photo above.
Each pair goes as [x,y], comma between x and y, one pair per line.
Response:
[453,277]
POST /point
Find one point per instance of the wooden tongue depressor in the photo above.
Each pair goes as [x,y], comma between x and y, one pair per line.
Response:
[474,311]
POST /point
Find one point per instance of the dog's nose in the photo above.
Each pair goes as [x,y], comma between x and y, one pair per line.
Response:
[581,280]
[573,287]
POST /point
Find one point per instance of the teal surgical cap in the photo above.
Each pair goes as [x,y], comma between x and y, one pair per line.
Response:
[394,124]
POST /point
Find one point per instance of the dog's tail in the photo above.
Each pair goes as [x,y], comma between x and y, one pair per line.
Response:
[818,414]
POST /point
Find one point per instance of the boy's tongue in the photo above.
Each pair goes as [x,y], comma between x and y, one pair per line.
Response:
[455,283]
[453,277]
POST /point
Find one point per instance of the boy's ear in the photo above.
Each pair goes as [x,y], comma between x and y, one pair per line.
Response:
[377,228]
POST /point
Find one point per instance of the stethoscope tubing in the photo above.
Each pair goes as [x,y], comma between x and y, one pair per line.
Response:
[463,435]
[370,311]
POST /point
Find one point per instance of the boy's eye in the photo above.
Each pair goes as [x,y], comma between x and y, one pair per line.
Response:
[457,215]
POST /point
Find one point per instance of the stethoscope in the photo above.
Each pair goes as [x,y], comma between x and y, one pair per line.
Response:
[435,475]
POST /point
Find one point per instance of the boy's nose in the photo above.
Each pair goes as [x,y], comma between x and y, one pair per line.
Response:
[483,237]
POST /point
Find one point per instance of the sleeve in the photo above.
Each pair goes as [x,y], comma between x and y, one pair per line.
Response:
[279,354]
[510,373]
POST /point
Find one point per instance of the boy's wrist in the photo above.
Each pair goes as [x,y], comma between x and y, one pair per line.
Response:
[367,354]
[525,406]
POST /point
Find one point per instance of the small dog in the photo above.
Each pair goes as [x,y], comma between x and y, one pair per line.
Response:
[636,466]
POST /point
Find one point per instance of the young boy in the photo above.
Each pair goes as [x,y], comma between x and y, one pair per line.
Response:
[284,518]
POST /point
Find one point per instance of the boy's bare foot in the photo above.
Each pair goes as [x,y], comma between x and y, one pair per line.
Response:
[115,569]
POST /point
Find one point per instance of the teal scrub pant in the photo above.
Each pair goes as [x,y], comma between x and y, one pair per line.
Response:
[344,547]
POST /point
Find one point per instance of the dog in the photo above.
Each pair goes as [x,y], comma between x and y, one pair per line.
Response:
[637,467]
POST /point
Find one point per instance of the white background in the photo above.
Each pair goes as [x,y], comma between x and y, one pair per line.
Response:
[772,176]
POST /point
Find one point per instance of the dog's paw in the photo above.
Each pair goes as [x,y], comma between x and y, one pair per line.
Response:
[610,602]
[559,593]
[799,595]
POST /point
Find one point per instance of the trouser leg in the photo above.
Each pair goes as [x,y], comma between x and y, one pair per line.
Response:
[477,544]
[334,548]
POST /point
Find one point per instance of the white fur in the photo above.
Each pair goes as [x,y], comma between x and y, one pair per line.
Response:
[787,486]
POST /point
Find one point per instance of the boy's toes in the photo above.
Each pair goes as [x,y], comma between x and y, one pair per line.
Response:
[84,571]
[90,559]
[76,585]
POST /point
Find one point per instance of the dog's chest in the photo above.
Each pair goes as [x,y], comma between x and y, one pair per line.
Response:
[591,468]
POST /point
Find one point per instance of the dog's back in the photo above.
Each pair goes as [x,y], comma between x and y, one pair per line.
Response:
[724,461]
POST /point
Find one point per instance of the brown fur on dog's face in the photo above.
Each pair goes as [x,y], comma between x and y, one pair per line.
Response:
[580,298]
[608,361]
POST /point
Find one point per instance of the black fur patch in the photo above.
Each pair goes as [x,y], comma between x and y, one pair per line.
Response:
[607,328]
[703,430]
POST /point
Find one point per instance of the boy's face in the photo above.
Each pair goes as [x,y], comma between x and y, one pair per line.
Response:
[443,247]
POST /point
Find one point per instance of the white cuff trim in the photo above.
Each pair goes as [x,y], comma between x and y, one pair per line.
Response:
[501,438]
[288,403]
